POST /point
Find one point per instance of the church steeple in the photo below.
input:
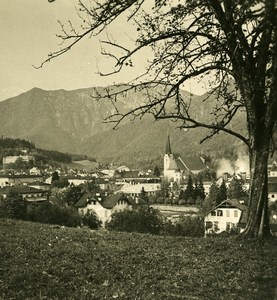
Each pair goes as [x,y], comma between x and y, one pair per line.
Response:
[168,146]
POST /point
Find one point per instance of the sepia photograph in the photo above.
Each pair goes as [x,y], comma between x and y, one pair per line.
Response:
[138,147]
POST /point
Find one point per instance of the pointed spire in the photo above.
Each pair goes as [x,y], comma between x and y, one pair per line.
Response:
[168,146]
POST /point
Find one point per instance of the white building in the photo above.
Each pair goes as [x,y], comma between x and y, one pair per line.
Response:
[134,190]
[102,208]
[227,215]
[34,171]
[176,168]
[12,159]
[10,180]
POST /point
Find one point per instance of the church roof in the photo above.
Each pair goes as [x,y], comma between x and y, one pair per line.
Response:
[193,163]
[177,164]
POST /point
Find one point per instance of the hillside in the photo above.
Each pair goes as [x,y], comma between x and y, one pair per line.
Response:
[46,262]
[72,122]
[16,147]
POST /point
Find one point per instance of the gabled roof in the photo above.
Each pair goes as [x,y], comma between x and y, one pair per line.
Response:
[187,164]
[82,202]
[193,163]
[20,189]
[243,218]
[108,203]
[130,174]
[111,200]
[177,164]
[236,203]
[230,203]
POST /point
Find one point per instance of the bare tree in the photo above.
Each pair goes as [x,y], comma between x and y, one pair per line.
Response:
[230,44]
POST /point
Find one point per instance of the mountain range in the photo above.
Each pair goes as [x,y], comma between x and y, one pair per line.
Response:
[72,122]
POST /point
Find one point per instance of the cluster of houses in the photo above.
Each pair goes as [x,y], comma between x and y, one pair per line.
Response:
[121,188]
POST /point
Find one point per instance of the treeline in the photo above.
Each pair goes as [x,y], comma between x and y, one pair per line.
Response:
[53,156]
[76,157]
[14,146]
[10,146]
[10,143]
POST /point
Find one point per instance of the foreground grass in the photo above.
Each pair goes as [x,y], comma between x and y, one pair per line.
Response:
[43,262]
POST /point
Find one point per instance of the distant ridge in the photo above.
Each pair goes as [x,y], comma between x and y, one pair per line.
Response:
[72,122]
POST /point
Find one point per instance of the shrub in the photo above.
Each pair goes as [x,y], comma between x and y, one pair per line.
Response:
[91,220]
[152,199]
[186,226]
[54,214]
[167,201]
[141,220]
[160,200]
[190,201]
[175,201]
[14,208]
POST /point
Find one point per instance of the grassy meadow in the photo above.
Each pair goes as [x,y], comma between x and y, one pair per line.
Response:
[50,262]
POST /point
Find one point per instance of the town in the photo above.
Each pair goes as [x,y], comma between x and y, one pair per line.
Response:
[187,187]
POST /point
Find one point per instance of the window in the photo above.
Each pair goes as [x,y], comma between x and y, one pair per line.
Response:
[228,226]
[227,213]
[213,213]
[219,213]
[216,226]
[209,225]
[272,196]
[235,213]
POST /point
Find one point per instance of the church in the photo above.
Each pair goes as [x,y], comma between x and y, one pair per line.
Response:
[176,169]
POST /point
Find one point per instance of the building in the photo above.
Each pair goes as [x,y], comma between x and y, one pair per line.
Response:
[135,177]
[102,208]
[12,159]
[272,189]
[23,179]
[272,169]
[133,191]
[41,185]
[77,180]
[34,171]
[176,168]
[28,193]
[229,214]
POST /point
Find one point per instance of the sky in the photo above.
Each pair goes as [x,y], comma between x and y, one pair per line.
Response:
[28,31]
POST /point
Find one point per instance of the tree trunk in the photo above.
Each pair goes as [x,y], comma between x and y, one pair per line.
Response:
[258,220]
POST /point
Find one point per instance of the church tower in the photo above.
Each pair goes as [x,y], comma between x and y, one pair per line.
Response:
[168,156]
